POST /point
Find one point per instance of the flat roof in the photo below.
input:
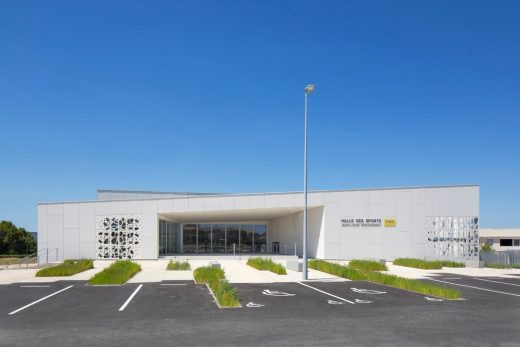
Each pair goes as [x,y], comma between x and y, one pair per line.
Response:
[247,194]
[151,192]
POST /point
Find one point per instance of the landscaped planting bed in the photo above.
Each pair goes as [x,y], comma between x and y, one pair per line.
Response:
[369,265]
[68,268]
[425,264]
[117,273]
[501,266]
[381,278]
[267,264]
[178,265]
[224,293]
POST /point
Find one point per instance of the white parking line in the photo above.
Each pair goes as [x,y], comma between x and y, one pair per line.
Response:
[451,278]
[329,294]
[511,284]
[37,301]
[130,298]
[485,289]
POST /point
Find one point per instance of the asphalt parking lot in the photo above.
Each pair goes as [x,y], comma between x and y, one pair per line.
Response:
[310,313]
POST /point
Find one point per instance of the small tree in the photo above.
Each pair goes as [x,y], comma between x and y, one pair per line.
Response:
[486,247]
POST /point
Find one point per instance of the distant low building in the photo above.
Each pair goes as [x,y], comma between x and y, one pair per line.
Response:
[501,239]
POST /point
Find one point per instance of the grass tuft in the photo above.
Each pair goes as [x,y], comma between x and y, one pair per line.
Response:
[501,266]
[226,295]
[68,268]
[368,265]
[447,263]
[117,273]
[267,264]
[178,265]
[425,264]
[381,278]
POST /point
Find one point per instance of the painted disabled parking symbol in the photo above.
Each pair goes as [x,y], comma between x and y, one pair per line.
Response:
[276,293]
[367,291]
[334,302]
[433,299]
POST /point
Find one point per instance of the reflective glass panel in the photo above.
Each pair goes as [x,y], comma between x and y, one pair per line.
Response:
[204,238]
[246,238]
[260,245]
[232,237]
[189,238]
[219,238]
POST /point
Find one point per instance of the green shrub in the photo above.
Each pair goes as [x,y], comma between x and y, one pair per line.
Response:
[117,273]
[418,263]
[68,268]
[225,294]
[369,265]
[386,279]
[178,265]
[267,264]
[425,264]
[447,263]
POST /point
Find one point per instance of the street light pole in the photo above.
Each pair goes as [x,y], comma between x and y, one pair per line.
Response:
[309,89]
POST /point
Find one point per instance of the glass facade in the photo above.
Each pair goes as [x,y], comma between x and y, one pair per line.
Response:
[189,238]
[221,238]
[169,238]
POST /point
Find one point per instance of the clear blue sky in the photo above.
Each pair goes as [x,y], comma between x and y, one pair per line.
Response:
[208,96]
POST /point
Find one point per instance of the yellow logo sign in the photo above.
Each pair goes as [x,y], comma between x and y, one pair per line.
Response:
[390,223]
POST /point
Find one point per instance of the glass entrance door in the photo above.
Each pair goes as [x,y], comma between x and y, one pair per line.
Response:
[169,238]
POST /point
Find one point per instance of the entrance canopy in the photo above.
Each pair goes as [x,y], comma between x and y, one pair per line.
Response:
[236,215]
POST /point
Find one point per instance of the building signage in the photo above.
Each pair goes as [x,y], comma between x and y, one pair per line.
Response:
[360,222]
[368,222]
[390,223]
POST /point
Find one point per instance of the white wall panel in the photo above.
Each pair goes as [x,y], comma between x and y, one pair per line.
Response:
[389,203]
[42,226]
[118,207]
[211,204]
[286,200]
[375,196]
[332,223]
[331,197]
[227,203]
[196,204]
[180,205]
[418,195]
[102,208]
[55,236]
[71,216]
[404,210]
[418,223]
[164,206]
[133,207]
[315,199]
[346,204]
[272,200]
[446,202]
[332,251]
[242,202]
[55,209]
[87,230]
[361,204]
[70,243]
[257,201]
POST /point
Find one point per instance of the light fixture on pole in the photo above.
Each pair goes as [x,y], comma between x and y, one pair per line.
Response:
[309,89]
